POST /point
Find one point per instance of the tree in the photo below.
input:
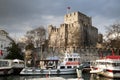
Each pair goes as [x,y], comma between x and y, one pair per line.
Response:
[113,35]
[14,52]
[36,36]
[30,46]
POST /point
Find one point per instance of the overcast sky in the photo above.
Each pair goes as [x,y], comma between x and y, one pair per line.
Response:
[19,16]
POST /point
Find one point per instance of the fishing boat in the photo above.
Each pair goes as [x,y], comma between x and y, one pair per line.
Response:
[6,67]
[66,65]
[18,65]
[108,66]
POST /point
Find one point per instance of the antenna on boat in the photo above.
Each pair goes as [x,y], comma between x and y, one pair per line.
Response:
[101,54]
[113,52]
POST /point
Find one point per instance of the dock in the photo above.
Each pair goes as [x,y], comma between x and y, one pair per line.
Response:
[54,78]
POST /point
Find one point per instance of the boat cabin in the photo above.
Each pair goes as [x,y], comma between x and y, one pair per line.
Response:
[5,63]
[18,63]
[46,64]
[70,61]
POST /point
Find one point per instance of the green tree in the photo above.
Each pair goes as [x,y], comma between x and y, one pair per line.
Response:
[14,52]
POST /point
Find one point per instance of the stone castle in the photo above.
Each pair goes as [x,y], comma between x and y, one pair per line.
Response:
[76,32]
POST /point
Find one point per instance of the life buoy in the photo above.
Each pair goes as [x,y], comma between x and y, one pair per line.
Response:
[5,72]
[41,70]
[33,70]
[58,71]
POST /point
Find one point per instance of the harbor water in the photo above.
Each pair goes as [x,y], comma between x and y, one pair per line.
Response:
[85,76]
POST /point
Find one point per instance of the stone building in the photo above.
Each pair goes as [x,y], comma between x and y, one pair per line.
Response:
[5,41]
[76,31]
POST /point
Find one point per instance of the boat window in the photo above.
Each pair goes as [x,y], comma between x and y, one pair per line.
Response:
[75,67]
[69,67]
[116,64]
[101,63]
[62,67]
[21,62]
[15,62]
[75,59]
[67,55]
[69,59]
[66,59]
[109,64]
[3,63]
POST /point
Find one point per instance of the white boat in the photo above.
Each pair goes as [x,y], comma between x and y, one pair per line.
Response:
[6,67]
[108,66]
[67,65]
[18,65]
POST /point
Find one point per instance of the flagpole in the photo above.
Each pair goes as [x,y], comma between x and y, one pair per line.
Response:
[68,10]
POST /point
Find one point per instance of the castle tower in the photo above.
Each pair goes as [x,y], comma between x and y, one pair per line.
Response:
[76,31]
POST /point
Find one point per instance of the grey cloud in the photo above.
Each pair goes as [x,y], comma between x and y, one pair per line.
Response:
[16,14]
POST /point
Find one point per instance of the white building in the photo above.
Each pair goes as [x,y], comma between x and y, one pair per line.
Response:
[5,41]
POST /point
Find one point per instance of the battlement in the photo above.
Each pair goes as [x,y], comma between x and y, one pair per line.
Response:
[52,28]
[75,14]
[77,17]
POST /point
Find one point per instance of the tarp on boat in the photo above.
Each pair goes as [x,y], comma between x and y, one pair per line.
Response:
[52,58]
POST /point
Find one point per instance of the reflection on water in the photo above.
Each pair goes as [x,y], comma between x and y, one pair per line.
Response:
[17,77]
[96,77]
[86,76]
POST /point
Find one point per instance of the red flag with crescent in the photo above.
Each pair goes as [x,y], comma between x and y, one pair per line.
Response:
[68,7]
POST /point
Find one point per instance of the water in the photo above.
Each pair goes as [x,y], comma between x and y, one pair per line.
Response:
[86,76]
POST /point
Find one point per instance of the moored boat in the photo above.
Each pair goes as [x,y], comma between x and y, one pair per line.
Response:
[18,65]
[6,67]
[108,66]
[67,65]
[85,66]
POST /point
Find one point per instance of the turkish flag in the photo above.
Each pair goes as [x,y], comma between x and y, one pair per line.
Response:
[1,52]
[68,7]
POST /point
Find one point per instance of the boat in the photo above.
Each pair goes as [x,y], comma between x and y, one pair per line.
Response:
[18,65]
[6,67]
[108,66]
[66,65]
[85,66]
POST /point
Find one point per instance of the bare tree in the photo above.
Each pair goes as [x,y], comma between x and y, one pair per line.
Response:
[38,38]
[113,31]
[113,35]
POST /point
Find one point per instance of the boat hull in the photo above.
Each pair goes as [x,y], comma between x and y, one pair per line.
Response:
[6,71]
[47,71]
[17,71]
[110,74]
[106,73]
